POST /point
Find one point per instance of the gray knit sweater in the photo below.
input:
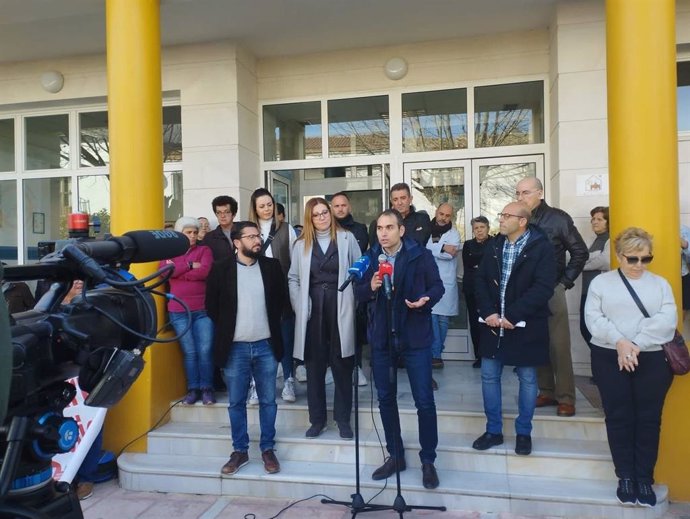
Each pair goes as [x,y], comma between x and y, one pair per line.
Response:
[611,313]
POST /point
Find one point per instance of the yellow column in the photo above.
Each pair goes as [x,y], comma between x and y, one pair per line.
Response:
[136,183]
[643,174]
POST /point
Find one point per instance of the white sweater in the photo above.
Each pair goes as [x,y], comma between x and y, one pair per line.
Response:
[611,313]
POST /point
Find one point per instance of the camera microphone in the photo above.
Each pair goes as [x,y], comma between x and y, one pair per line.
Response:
[356,271]
[137,247]
[386,273]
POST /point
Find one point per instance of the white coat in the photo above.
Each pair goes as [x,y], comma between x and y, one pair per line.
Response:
[447,269]
[298,283]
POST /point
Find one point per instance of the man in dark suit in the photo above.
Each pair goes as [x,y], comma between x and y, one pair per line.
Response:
[248,340]
[513,287]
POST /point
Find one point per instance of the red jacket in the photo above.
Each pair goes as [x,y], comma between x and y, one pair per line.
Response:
[187,283]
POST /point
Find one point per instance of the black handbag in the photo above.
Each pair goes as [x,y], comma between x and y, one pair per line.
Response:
[676,350]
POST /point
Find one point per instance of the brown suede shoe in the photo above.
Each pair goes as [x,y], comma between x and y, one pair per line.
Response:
[271,463]
[566,410]
[543,401]
[236,462]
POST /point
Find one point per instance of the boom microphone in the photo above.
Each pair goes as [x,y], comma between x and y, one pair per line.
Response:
[385,273]
[356,271]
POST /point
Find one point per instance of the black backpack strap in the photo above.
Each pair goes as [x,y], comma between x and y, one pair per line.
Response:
[271,235]
[633,294]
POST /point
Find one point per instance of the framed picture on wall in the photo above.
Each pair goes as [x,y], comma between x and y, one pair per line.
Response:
[39,223]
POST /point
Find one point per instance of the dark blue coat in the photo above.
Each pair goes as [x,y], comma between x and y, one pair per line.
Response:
[529,289]
[415,275]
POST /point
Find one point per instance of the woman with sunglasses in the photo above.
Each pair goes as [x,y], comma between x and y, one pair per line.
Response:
[628,363]
[324,316]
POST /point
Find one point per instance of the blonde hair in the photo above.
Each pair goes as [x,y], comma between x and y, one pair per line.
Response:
[309,231]
[633,239]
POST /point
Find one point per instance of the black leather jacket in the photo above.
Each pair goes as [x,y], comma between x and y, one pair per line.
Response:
[564,236]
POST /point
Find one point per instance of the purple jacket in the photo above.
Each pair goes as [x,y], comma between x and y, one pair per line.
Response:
[187,283]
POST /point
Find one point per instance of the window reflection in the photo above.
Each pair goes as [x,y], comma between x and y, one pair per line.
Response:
[8,220]
[432,187]
[683,69]
[358,126]
[94,149]
[172,193]
[292,131]
[6,144]
[46,206]
[434,121]
[507,115]
[172,134]
[497,187]
[94,200]
[47,142]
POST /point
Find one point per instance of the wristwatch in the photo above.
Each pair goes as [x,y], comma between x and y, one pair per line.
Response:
[191,265]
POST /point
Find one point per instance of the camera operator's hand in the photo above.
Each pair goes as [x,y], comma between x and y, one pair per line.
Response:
[376,282]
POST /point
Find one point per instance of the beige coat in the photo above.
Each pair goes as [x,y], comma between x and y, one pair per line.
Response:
[298,282]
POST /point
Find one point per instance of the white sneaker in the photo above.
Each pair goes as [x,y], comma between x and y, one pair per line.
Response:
[289,390]
[301,373]
[329,376]
[361,378]
[253,396]
[279,373]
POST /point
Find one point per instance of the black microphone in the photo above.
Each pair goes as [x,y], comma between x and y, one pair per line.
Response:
[137,247]
[385,272]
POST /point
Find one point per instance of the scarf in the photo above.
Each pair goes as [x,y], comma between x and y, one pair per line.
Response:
[438,230]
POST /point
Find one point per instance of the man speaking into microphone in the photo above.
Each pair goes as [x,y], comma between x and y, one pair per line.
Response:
[415,287]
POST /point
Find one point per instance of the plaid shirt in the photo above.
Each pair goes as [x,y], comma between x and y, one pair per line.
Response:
[510,253]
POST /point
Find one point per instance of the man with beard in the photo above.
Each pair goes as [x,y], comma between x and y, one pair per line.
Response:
[342,210]
[416,222]
[248,338]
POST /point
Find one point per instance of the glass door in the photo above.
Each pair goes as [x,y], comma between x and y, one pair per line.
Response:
[434,183]
[494,182]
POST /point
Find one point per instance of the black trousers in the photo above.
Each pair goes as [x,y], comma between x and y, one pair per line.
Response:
[633,403]
[322,349]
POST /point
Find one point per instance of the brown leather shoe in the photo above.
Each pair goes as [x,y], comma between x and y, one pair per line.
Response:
[271,463]
[236,462]
[566,410]
[543,401]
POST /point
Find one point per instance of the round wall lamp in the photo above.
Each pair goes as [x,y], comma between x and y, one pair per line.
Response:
[52,81]
[395,68]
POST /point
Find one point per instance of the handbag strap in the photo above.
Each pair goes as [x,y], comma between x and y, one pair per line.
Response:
[633,294]
[269,239]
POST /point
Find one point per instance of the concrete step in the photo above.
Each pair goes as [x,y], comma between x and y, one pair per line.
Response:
[459,490]
[586,425]
[551,457]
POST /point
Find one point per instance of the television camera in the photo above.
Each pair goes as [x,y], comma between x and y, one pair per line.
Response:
[100,335]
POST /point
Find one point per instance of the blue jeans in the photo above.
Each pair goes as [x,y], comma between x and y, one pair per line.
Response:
[88,470]
[418,365]
[439,324]
[197,347]
[247,360]
[491,391]
[287,330]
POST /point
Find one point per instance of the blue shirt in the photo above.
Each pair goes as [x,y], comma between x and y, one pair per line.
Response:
[510,253]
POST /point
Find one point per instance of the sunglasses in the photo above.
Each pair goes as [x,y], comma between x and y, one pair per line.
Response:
[634,260]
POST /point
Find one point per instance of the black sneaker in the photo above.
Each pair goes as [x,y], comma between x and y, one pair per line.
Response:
[645,495]
[626,492]
[315,430]
[523,444]
[345,431]
[487,440]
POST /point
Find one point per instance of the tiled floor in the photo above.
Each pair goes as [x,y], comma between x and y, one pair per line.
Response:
[111,502]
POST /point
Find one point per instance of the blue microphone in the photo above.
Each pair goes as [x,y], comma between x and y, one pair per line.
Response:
[356,271]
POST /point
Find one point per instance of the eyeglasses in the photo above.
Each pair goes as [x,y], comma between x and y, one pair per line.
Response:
[322,214]
[223,213]
[634,260]
[251,237]
[505,216]
[524,193]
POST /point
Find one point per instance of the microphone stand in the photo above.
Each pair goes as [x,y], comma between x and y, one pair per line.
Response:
[358,505]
